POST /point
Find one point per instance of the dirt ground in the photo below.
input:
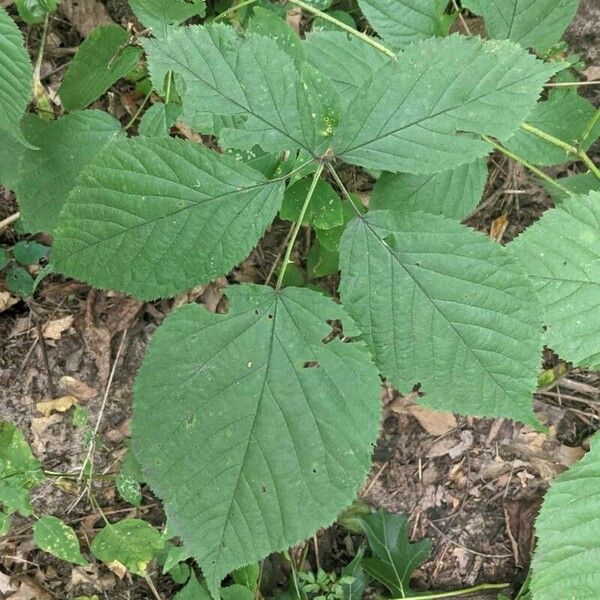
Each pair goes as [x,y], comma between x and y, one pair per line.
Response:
[471,485]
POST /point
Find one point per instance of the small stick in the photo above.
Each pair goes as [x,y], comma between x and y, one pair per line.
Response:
[9,220]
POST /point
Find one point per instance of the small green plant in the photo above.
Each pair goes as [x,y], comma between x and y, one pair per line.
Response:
[256,427]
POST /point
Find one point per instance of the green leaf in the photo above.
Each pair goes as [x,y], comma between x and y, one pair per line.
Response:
[19,470]
[162,16]
[453,194]
[561,254]
[416,114]
[265,22]
[16,75]
[565,563]
[19,281]
[444,306]
[393,558]
[236,592]
[321,24]
[245,474]
[35,11]
[225,74]
[565,115]
[29,253]
[47,175]
[321,262]
[5,523]
[101,60]
[537,25]
[158,119]
[180,573]
[355,589]
[194,590]
[401,22]
[132,542]
[247,576]
[324,211]
[330,238]
[582,183]
[175,554]
[53,536]
[4,259]
[11,151]
[129,489]
[346,61]
[154,217]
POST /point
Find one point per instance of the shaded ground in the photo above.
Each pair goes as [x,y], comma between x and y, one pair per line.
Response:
[472,485]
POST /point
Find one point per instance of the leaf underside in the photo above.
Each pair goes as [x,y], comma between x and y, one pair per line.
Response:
[252,430]
[561,254]
[154,217]
[443,306]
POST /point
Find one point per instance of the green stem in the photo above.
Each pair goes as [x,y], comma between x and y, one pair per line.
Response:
[568,148]
[342,188]
[38,62]
[477,588]
[531,167]
[361,36]
[233,9]
[288,252]
[138,111]
[168,91]
[571,83]
[589,128]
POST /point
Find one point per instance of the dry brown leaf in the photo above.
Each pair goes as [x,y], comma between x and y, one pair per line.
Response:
[6,585]
[117,568]
[294,19]
[499,225]
[73,387]
[39,426]
[85,15]
[54,329]
[58,405]
[434,422]
[6,301]
[592,72]
[29,590]
[568,455]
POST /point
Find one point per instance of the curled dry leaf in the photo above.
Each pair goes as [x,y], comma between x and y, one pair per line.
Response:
[434,422]
[74,387]
[53,406]
[6,301]
[54,329]
[498,227]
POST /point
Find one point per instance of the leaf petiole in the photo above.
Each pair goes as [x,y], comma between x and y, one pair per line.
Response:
[477,588]
[288,252]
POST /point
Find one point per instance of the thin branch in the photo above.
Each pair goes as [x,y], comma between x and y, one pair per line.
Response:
[461,18]
[342,188]
[9,220]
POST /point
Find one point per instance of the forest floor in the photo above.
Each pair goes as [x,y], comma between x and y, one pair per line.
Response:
[471,485]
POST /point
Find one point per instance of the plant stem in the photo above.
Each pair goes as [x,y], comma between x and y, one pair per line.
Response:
[138,111]
[168,91]
[568,148]
[589,128]
[231,10]
[359,34]
[288,252]
[477,588]
[531,167]
[9,220]
[572,83]
[40,56]
[343,189]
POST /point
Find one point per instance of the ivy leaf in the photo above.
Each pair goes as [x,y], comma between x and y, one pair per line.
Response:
[416,114]
[53,536]
[154,217]
[394,557]
[225,74]
[254,472]
[565,563]
[565,115]
[48,174]
[561,254]
[101,60]
[453,194]
[436,301]
[19,470]
[16,75]
[158,119]
[346,61]
[401,22]
[162,16]
[537,25]
[132,542]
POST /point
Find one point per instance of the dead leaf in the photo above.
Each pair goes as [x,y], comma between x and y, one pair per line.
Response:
[39,426]
[592,72]
[6,301]
[73,387]
[59,405]
[85,15]
[568,455]
[54,329]
[117,568]
[434,422]
[294,19]
[499,225]
[29,590]
[520,516]
[451,446]
[6,585]
[119,433]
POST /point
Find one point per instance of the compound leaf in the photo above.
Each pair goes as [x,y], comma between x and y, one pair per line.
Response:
[565,115]
[453,194]
[226,74]
[102,59]
[416,114]
[15,76]
[393,557]
[252,429]
[132,542]
[53,536]
[48,174]
[401,22]
[444,306]
[154,217]
[565,563]
[162,16]
[536,24]
[561,254]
